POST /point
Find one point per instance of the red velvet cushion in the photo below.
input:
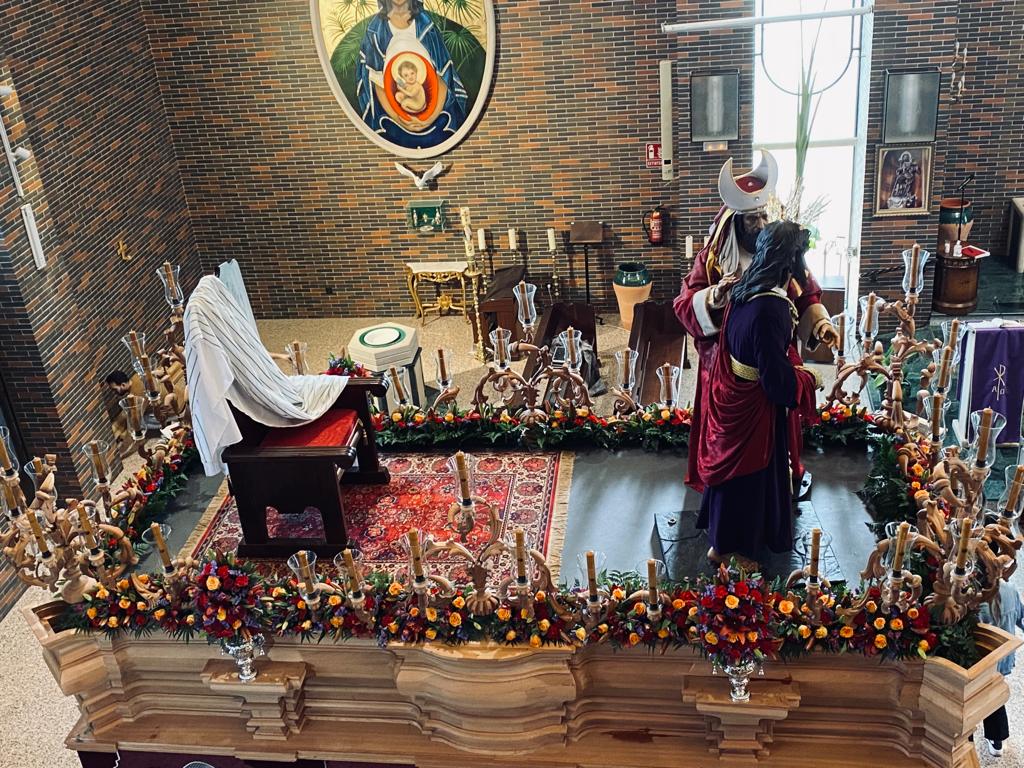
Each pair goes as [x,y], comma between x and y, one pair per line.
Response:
[334,428]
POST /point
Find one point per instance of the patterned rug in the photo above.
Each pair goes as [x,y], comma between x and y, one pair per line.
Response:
[528,490]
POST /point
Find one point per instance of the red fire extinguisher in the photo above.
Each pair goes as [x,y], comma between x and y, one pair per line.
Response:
[658,226]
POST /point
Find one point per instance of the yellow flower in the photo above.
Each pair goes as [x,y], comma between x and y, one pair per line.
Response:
[301,605]
[523,613]
[449,417]
[924,646]
[336,621]
[554,423]
[124,603]
[581,634]
[915,485]
[159,613]
[922,496]
[414,611]
[786,606]
[634,638]
[847,412]
[678,604]
[640,609]
[896,625]
[431,614]
[535,641]
[122,585]
[584,411]
[662,633]
[236,623]
[279,592]
[221,614]
[871,607]
[91,613]
[334,600]
[692,611]
[665,413]
[711,638]
[396,416]
[459,602]
[143,578]
[393,627]
[190,619]
[618,594]
[731,601]
[826,416]
[212,583]
[430,634]
[102,593]
[540,597]
[804,631]
[455,619]
[395,589]
[602,628]
[557,414]
[306,625]
[913,613]
[543,625]
[879,623]
[752,636]
[504,418]
[504,614]
[510,635]
[112,621]
[820,632]
[846,632]
[419,418]
[647,416]
[140,606]
[880,641]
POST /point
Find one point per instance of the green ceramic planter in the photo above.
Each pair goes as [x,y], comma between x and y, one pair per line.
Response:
[632,274]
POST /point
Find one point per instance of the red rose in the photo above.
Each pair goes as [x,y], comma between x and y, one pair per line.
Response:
[242,581]
[223,571]
[742,589]
[721,591]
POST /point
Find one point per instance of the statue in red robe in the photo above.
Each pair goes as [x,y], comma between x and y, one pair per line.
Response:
[703,298]
[753,386]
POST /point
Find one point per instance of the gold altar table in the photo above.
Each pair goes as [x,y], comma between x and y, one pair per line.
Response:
[438,273]
[494,706]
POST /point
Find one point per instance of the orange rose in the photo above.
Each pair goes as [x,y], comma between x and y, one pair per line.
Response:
[212,583]
[430,634]
[846,632]
[731,601]
[455,619]
[896,625]
[804,631]
[634,638]
[879,623]
[678,604]
[786,606]
[535,641]
[510,635]
[913,613]
[880,642]
[711,638]
[504,614]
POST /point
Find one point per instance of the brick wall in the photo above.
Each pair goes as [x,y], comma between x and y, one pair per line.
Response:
[276,175]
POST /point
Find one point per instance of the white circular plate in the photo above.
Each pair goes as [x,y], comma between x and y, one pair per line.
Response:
[381,337]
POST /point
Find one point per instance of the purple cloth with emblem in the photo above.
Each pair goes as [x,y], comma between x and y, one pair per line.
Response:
[992,370]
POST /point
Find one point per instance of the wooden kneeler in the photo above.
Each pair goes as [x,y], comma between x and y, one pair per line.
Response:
[294,468]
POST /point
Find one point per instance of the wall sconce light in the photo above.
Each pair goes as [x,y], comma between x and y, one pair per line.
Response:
[22,154]
[5,91]
[714,108]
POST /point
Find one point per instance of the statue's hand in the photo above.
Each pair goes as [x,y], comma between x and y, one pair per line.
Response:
[720,293]
[827,334]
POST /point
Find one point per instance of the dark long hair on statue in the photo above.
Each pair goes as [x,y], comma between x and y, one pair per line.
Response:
[780,255]
[385,6]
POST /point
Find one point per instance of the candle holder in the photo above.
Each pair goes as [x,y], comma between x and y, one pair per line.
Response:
[986,424]
[845,324]
[870,308]
[98,452]
[298,355]
[443,359]
[566,350]
[135,343]
[397,380]
[303,565]
[1011,502]
[656,572]
[150,538]
[945,360]
[169,275]
[526,309]
[501,343]
[8,458]
[929,415]
[625,364]
[953,332]
[591,565]
[914,261]
[668,385]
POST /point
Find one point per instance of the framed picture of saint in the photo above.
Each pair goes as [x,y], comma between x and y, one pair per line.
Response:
[412,75]
[903,181]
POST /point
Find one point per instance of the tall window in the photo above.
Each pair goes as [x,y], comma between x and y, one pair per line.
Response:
[825,55]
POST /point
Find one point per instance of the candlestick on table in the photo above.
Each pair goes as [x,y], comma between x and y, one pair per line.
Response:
[463,472]
[417,554]
[689,248]
[86,525]
[965,538]
[954,332]
[626,365]
[298,357]
[652,582]
[481,239]
[161,547]
[552,243]
[812,569]
[591,575]
[99,464]
[521,555]
[11,498]
[984,430]
[37,532]
[397,382]
[945,368]
[901,545]
[305,571]
[353,572]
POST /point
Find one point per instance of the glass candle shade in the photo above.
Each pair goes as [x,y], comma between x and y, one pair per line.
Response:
[8,459]
[134,407]
[590,564]
[570,343]
[892,530]
[526,310]
[461,465]
[804,547]
[414,546]
[298,355]
[349,565]
[625,362]
[501,341]
[305,572]
[954,527]
[870,307]
[443,359]
[945,368]
[135,343]
[1012,501]
[33,476]
[929,407]
[398,385]
[653,575]
[846,328]
[948,327]
[98,452]
[668,385]
[169,276]
[986,425]
[913,270]
[149,536]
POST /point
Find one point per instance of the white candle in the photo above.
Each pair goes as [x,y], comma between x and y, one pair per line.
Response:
[513,239]
[552,243]
[689,247]
[417,555]
[481,239]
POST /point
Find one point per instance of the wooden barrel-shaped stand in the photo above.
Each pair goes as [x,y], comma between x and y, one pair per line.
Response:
[956,286]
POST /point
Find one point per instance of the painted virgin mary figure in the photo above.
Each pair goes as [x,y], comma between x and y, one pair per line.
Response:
[406,85]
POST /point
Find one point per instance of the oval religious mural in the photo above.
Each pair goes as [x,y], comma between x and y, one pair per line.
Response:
[412,75]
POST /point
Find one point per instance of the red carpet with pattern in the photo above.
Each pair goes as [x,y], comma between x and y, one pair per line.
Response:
[528,490]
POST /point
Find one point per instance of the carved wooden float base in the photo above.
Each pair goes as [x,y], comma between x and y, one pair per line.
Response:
[502,707]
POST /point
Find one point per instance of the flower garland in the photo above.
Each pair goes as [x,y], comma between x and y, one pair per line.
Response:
[840,424]
[727,616]
[345,366]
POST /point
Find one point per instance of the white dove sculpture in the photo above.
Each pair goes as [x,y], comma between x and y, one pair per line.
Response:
[422,182]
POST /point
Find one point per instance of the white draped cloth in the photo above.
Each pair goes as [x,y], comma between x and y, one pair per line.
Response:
[226,361]
[231,275]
